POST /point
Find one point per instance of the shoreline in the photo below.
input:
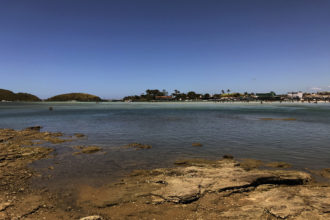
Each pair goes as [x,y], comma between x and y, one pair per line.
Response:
[193,188]
[259,103]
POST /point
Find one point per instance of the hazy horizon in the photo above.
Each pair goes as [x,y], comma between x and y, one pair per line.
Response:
[118,48]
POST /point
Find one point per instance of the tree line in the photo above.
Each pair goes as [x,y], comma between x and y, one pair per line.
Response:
[155,94]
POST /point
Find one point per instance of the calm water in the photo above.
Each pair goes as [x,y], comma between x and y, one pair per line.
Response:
[171,128]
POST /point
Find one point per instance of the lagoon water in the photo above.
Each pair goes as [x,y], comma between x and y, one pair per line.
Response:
[171,128]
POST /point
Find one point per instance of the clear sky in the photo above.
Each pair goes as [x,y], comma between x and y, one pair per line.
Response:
[117,48]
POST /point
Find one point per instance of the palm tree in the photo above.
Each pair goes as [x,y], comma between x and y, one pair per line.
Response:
[223,91]
[228,90]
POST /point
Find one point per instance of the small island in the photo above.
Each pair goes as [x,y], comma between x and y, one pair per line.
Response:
[7,95]
[80,97]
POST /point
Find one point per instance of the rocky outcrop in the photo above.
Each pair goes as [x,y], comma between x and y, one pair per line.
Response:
[18,148]
[192,182]
[214,190]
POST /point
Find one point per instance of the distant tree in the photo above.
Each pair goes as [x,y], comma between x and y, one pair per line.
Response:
[152,93]
[180,96]
[228,90]
[223,91]
[176,94]
[206,96]
[216,96]
[183,96]
[192,95]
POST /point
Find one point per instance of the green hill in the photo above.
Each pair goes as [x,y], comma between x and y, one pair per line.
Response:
[81,97]
[11,96]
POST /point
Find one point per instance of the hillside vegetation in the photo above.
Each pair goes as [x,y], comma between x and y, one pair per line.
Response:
[8,95]
[81,97]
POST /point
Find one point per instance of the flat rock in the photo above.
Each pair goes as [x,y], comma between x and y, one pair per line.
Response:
[193,181]
[284,202]
[212,190]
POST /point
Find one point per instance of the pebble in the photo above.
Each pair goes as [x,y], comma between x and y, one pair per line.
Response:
[92,217]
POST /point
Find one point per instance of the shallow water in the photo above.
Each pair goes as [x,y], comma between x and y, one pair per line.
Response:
[171,128]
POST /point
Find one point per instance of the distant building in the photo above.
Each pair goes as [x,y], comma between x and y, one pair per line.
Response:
[295,95]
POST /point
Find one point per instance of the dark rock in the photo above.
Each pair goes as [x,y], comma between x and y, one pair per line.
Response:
[228,156]
[279,165]
[79,135]
[34,128]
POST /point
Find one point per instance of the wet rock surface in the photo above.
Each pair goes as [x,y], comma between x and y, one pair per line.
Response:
[193,189]
[137,146]
[87,149]
[197,144]
[18,149]
[279,165]
[79,135]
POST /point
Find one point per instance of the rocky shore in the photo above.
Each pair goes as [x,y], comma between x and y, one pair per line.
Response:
[193,189]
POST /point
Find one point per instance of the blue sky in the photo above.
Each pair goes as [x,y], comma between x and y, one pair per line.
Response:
[117,48]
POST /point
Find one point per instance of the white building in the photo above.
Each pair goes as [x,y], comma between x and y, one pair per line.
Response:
[294,95]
